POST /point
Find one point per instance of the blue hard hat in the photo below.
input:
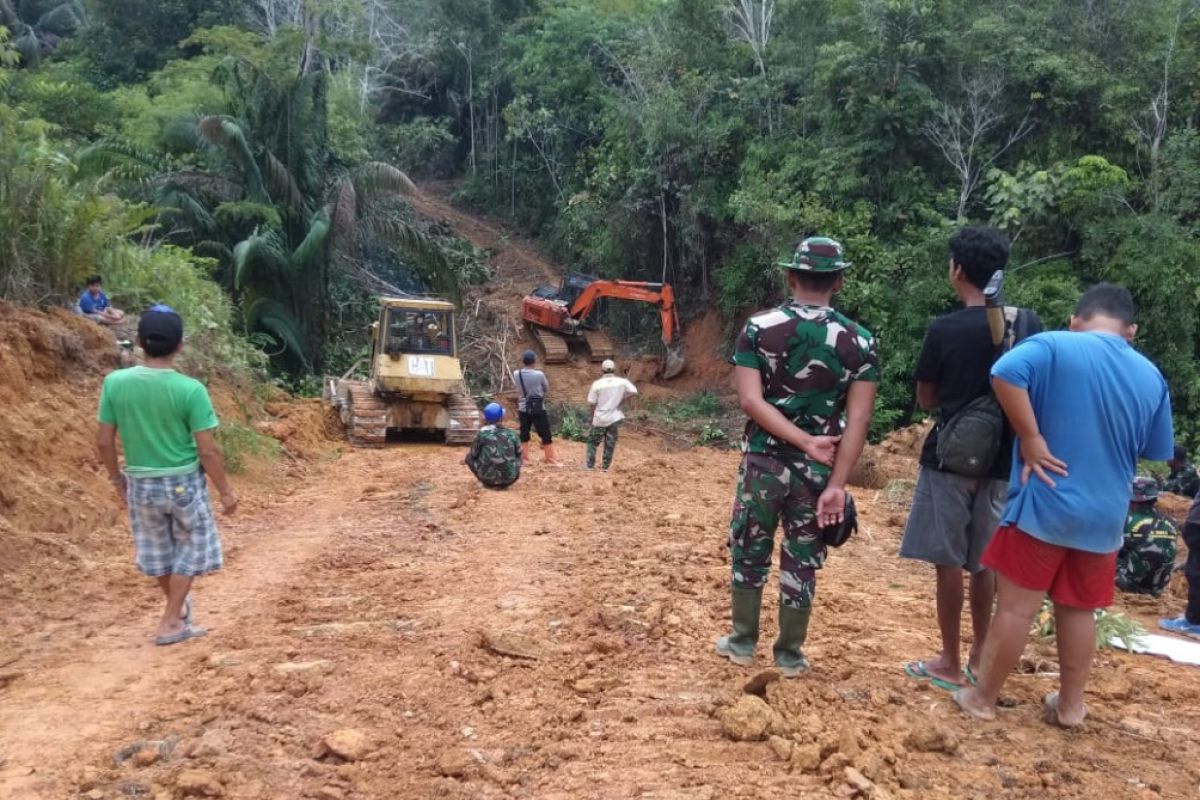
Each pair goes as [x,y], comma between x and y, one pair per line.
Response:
[493,412]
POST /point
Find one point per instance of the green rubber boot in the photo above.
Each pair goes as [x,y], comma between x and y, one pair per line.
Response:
[793,630]
[738,646]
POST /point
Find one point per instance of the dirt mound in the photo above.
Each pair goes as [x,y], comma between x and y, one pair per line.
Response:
[51,365]
[707,345]
[306,428]
[908,441]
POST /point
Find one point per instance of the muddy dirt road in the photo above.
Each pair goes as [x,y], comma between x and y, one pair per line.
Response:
[550,641]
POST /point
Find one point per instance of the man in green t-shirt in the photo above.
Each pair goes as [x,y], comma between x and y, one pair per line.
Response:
[166,423]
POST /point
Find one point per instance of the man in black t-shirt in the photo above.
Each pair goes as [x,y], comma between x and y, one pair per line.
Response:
[953,517]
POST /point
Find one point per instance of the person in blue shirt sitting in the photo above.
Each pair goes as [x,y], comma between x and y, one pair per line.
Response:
[94,305]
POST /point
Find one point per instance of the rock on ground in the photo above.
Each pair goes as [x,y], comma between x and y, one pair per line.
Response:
[749,719]
[347,744]
[932,739]
[199,783]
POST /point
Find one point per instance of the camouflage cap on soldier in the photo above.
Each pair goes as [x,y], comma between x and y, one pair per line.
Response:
[817,254]
[1145,490]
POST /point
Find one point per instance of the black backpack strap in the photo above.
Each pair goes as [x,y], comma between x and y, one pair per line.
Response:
[521,378]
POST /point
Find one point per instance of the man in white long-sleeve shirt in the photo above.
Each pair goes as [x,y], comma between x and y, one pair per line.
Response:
[606,395]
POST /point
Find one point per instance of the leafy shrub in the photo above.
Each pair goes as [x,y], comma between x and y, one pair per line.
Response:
[713,435]
[239,442]
[574,422]
[1109,626]
[696,406]
[423,146]
[138,277]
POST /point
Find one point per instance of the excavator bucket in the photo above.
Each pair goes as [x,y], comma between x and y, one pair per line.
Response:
[674,363]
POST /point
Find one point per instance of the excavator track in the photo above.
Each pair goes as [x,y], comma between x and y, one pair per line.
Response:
[599,345]
[465,420]
[364,414]
[554,347]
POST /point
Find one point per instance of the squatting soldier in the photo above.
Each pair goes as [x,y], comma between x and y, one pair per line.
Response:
[806,377]
[1183,479]
[1147,557]
[495,455]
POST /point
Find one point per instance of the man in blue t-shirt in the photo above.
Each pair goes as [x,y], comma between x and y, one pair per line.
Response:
[94,305]
[1085,407]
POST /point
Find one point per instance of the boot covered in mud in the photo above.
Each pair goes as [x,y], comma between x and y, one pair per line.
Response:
[738,646]
[793,630]
[551,459]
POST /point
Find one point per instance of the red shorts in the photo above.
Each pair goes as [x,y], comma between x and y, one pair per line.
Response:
[1074,578]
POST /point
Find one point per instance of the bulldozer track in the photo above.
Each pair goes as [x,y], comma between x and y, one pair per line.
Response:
[465,420]
[364,415]
[554,347]
[599,345]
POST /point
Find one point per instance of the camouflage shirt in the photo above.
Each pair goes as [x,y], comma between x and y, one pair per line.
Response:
[807,356]
[1184,481]
[1147,555]
[495,456]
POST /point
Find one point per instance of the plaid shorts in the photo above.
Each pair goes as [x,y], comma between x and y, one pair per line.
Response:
[174,530]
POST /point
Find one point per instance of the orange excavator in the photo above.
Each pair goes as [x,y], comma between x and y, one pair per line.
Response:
[568,313]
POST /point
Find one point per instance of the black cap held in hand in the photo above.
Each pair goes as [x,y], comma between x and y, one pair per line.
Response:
[161,327]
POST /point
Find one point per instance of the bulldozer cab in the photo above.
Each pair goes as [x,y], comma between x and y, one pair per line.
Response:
[417,330]
[414,348]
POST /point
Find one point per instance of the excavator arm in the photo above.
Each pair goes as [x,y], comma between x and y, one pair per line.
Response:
[659,294]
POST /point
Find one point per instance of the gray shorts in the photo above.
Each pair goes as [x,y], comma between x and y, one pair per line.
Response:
[952,518]
[174,530]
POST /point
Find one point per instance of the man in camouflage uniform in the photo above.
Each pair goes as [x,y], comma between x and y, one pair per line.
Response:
[806,377]
[1147,557]
[495,455]
[1183,479]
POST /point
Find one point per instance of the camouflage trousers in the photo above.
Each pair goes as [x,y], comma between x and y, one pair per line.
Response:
[609,435]
[769,492]
[1144,566]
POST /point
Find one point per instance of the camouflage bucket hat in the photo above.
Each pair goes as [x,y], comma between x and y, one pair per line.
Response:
[817,254]
[1144,490]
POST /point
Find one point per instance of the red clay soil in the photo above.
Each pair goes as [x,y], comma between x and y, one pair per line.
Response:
[389,630]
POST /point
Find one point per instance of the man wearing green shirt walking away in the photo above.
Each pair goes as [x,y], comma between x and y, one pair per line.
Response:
[166,424]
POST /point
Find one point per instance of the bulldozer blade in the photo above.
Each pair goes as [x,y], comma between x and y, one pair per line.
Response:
[673,365]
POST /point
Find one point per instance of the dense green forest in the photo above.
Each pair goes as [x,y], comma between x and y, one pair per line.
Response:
[255,153]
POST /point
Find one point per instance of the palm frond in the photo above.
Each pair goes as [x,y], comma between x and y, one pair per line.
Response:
[8,16]
[376,177]
[428,259]
[177,201]
[225,132]
[270,316]
[215,250]
[345,214]
[260,258]
[238,217]
[62,20]
[29,47]
[282,184]
[314,242]
[119,159]
[182,136]
[210,187]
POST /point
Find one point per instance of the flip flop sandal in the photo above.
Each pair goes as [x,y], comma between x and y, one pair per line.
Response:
[970,675]
[188,632]
[919,672]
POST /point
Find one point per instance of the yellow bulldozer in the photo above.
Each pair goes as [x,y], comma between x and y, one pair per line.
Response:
[415,381]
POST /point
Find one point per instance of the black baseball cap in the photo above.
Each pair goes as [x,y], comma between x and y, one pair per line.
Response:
[161,326]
